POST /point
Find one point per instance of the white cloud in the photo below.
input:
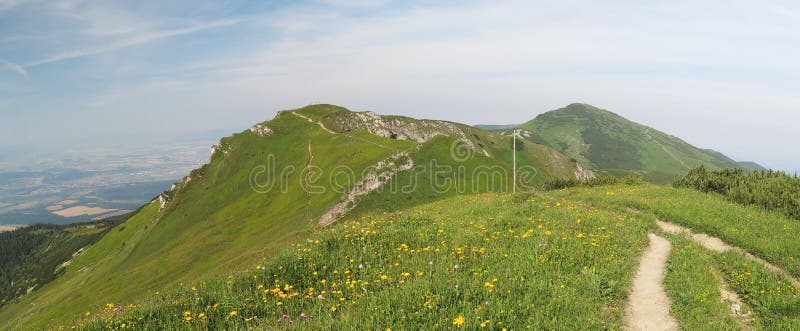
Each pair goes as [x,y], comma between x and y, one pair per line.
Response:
[701,71]
[15,68]
[135,39]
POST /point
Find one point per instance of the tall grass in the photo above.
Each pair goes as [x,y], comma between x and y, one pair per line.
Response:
[467,262]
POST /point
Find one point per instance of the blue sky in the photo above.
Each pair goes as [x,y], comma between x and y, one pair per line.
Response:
[719,74]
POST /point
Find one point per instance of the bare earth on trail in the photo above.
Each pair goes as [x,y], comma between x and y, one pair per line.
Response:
[648,305]
[729,298]
[719,246]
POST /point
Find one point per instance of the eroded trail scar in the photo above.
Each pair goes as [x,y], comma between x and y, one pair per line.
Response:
[648,305]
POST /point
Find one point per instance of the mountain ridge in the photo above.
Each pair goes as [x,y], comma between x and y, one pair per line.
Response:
[228,213]
[612,144]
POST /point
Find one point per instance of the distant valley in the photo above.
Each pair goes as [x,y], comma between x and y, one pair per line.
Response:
[93,184]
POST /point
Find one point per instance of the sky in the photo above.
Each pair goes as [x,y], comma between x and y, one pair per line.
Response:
[719,74]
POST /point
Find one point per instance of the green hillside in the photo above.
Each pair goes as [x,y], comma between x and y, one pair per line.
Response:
[612,144]
[751,166]
[323,218]
[559,260]
[272,185]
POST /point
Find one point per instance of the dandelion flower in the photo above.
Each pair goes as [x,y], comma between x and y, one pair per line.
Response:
[458,321]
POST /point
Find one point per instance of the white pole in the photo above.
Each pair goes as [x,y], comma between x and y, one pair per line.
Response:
[514,136]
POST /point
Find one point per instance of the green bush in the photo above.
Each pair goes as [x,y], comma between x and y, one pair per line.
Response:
[557,184]
[773,190]
[633,180]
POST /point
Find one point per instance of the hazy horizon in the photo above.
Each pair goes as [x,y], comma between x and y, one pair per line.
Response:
[77,74]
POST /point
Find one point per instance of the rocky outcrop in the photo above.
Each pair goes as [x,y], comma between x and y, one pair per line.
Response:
[225,149]
[379,175]
[583,174]
[163,200]
[261,130]
[399,127]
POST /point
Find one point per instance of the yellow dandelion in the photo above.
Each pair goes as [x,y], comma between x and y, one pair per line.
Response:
[489,286]
[233,313]
[458,321]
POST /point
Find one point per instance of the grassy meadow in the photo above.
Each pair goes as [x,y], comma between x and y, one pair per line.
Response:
[495,261]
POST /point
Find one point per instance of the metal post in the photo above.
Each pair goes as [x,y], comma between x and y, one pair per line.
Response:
[514,136]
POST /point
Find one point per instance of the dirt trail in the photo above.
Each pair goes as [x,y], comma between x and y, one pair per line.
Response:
[313,121]
[648,305]
[717,245]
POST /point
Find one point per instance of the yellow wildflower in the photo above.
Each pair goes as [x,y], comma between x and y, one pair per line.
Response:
[458,321]
[489,286]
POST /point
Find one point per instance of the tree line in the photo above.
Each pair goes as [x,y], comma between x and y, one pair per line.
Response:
[30,256]
[773,190]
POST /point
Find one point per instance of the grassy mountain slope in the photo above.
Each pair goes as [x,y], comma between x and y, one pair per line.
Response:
[608,142]
[482,260]
[751,166]
[558,260]
[215,222]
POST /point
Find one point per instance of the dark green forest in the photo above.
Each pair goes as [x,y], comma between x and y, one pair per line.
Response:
[773,190]
[35,255]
